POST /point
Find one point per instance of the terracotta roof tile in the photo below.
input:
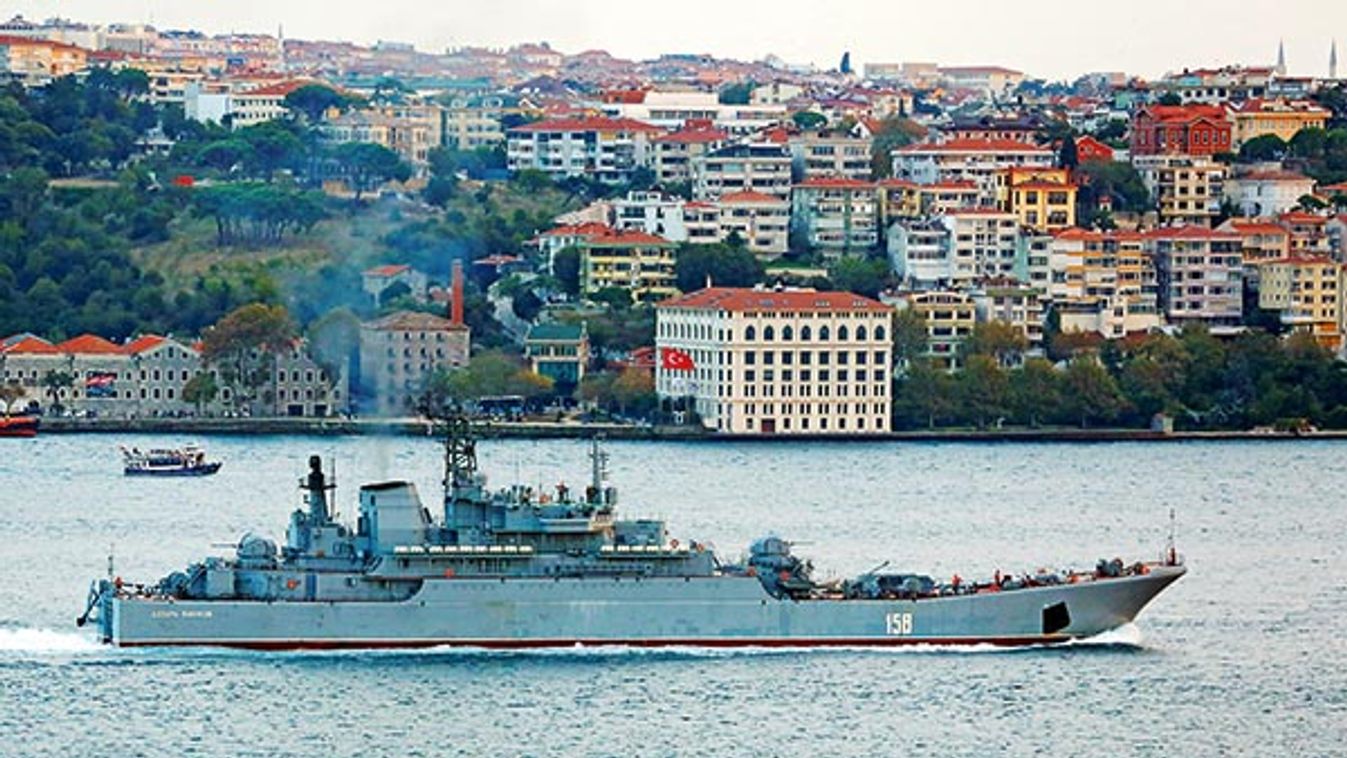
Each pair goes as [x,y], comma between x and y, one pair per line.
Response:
[741,299]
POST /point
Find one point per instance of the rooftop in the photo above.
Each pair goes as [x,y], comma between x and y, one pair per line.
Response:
[744,299]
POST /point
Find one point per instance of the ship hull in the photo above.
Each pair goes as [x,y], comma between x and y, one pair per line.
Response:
[718,611]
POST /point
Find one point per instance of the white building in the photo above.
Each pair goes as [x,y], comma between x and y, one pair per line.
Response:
[653,213]
[778,362]
[1267,193]
[759,167]
[965,160]
[957,248]
[671,109]
[605,149]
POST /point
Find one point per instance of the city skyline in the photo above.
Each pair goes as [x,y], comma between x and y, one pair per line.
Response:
[1035,42]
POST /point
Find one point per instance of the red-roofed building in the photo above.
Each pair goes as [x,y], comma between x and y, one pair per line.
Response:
[1309,232]
[1101,282]
[606,149]
[741,366]
[1283,118]
[378,281]
[35,62]
[1261,240]
[674,153]
[1183,129]
[1090,149]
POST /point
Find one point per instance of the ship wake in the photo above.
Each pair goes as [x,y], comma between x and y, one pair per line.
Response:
[46,641]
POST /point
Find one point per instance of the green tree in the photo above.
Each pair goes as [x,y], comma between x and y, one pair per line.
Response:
[1265,147]
[809,120]
[983,389]
[1067,156]
[1001,341]
[737,93]
[634,392]
[1036,391]
[864,276]
[892,133]
[245,344]
[54,382]
[368,165]
[925,394]
[200,390]
[313,100]
[9,393]
[724,265]
[1091,393]
[1118,181]
[1170,99]
[909,337]
[566,268]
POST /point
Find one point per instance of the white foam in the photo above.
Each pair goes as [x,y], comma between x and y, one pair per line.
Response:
[46,641]
[1127,634]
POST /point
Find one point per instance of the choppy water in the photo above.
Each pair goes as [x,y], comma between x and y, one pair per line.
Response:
[1244,656]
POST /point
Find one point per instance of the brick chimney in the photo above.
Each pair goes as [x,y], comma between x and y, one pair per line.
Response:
[456,295]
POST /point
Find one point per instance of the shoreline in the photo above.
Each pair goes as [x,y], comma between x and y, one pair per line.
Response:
[550,430]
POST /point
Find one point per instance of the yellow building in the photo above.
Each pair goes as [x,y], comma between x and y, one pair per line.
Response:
[38,61]
[901,198]
[635,261]
[1255,118]
[1306,291]
[1043,199]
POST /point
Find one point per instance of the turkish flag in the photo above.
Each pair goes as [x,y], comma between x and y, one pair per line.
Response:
[673,359]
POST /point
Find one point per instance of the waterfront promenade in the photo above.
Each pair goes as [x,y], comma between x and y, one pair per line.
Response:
[570,430]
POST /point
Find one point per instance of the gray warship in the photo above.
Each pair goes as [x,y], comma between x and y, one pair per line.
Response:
[516,568]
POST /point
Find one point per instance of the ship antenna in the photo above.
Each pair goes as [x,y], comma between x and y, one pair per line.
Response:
[599,462]
[112,548]
[1171,555]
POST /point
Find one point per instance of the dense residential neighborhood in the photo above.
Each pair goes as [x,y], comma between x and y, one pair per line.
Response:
[752,247]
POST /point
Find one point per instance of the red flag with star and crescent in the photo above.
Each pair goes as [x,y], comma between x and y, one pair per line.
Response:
[673,359]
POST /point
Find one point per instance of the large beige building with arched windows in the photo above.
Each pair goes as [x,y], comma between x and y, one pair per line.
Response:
[793,361]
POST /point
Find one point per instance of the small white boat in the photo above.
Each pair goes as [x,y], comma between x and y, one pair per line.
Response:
[189,460]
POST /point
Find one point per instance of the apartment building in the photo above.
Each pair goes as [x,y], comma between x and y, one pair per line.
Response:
[635,261]
[604,149]
[477,121]
[35,62]
[957,248]
[836,215]
[902,198]
[673,154]
[1102,282]
[778,362]
[1043,199]
[762,221]
[652,212]
[1267,192]
[1200,275]
[1306,291]
[400,351]
[1308,231]
[976,161]
[411,131]
[826,154]
[1014,303]
[992,81]
[949,317]
[1283,118]
[762,168]
[1186,189]
[1260,240]
[1181,129]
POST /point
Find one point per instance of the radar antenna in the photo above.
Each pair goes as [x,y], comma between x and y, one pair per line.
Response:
[1171,554]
